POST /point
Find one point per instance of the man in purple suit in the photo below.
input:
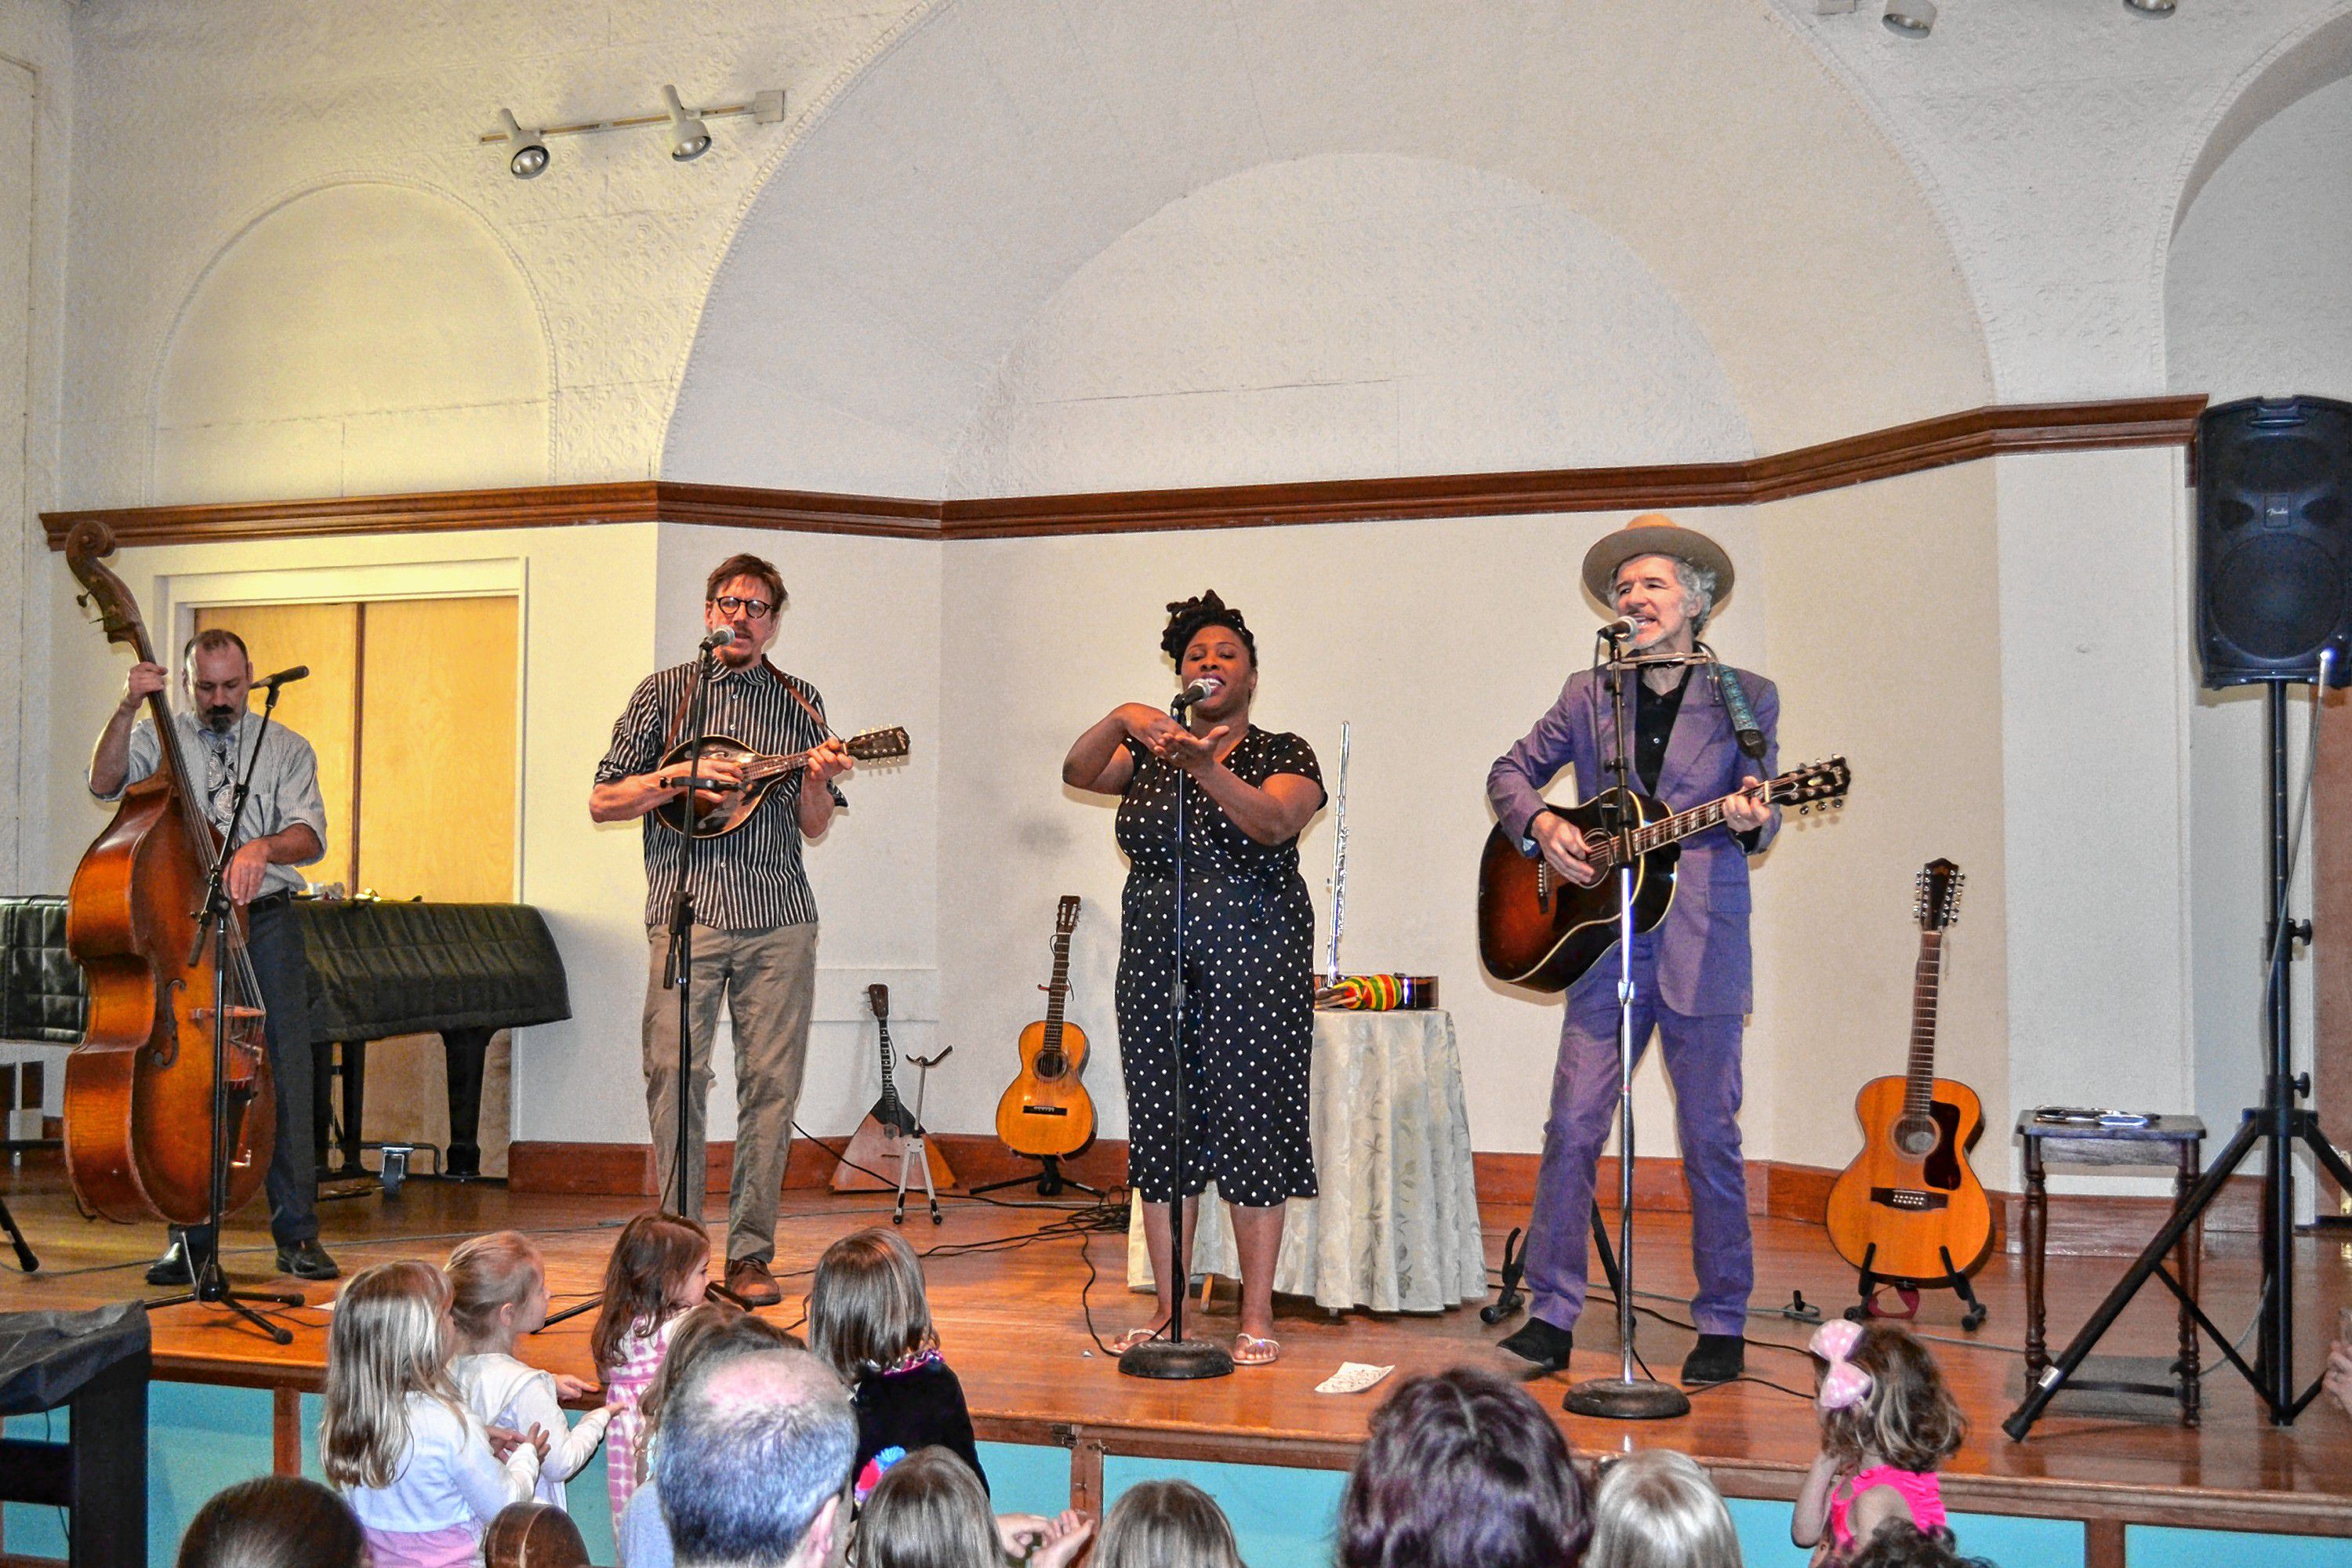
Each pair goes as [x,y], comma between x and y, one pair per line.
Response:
[1691,973]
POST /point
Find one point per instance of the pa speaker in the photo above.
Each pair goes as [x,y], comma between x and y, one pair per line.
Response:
[2274,540]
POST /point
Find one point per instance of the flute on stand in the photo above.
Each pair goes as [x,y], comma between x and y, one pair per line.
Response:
[1339,866]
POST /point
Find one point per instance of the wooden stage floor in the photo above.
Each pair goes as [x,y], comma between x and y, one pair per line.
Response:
[1011,1320]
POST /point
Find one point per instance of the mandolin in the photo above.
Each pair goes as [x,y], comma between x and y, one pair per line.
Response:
[1909,1207]
[139,1098]
[719,812]
[1538,929]
[1046,1112]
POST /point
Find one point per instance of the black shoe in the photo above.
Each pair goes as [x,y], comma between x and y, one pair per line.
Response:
[1542,1344]
[307,1260]
[173,1267]
[1716,1358]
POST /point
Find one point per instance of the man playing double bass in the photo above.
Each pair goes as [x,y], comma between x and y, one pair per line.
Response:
[1691,973]
[285,826]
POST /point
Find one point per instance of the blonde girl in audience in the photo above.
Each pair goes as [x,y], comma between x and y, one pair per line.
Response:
[1887,1422]
[498,1293]
[927,1510]
[659,1269]
[415,1462]
[1167,1524]
[870,1321]
[1656,1509]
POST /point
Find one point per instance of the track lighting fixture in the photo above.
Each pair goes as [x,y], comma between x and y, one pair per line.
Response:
[2150,7]
[689,137]
[1910,18]
[526,153]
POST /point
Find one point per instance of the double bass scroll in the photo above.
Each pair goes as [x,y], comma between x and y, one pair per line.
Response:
[139,1090]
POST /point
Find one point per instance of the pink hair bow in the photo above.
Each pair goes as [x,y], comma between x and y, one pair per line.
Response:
[1844,1385]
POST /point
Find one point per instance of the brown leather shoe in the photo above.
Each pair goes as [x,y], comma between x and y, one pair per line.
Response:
[749,1281]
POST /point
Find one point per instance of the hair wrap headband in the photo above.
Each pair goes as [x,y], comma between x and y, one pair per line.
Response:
[1844,1385]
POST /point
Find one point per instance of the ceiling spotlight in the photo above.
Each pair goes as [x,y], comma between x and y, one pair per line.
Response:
[688,138]
[2150,7]
[1910,18]
[526,153]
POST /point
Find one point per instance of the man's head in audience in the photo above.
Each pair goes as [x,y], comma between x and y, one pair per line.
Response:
[753,1458]
[1464,1468]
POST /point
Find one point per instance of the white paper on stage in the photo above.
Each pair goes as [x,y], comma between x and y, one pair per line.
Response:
[1396,1227]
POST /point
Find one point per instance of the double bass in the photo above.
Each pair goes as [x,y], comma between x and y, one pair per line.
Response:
[139,1090]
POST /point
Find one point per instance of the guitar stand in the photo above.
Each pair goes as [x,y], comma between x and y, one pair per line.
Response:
[1049,1181]
[1873,1282]
[1510,1300]
[912,1154]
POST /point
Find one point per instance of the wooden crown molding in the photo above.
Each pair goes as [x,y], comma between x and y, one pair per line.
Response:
[1992,431]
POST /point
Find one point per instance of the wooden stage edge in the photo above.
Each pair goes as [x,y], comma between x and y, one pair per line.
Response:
[1013,1307]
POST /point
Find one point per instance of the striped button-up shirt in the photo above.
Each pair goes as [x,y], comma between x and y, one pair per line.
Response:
[751,879]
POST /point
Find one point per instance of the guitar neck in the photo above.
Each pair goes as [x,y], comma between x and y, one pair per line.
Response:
[1664,831]
[883,1025]
[1919,1087]
[1057,992]
[769,767]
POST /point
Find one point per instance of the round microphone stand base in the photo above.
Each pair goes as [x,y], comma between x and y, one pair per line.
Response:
[1626,1399]
[1177,1360]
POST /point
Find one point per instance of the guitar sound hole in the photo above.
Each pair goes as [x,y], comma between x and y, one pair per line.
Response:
[1917,1136]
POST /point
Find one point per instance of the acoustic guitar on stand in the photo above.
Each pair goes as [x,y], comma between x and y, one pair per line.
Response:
[1910,1211]
[880,1141]
[1045,1114]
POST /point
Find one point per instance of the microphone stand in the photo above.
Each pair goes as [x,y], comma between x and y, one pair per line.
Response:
[1624,1397]
[1177,1357]
[210,1283]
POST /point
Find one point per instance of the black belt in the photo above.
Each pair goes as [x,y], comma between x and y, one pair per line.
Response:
[277,899]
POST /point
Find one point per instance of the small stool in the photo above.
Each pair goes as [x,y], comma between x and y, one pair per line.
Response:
[2075,1145]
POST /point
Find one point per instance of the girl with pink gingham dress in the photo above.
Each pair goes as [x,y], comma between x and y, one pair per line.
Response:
[658,1270]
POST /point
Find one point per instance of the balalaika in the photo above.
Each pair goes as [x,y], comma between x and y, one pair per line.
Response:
[1538,929]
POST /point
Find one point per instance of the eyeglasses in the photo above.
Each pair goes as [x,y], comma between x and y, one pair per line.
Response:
[756,608]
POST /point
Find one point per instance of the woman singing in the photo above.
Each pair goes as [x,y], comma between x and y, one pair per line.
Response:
[1249,940]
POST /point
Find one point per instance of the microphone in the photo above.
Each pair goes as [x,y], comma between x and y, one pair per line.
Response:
[1622,628]
[718,638]
[1201,690]
[285,676]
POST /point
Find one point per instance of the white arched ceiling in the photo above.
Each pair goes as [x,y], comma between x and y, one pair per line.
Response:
[904,249]
[2258,297]
[359,339]
[1349,314]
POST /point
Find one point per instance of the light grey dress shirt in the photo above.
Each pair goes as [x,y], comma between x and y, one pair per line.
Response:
[285,781]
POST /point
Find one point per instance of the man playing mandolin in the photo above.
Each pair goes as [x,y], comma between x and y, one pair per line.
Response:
[285,826]
[754,915]
[1691,973]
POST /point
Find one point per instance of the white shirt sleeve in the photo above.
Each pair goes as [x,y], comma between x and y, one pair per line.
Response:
[487,1485]
[568,1447]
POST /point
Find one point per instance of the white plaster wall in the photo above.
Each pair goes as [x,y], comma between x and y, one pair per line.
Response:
[1346,315]
[882,277]
[363,339]
[218,112]
[2058,144]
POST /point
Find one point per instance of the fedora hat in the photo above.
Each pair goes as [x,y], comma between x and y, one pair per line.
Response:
[1653,533]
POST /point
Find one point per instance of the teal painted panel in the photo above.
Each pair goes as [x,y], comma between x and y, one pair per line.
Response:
[1282,1517]
[1026,1478]
[200,1438]
[2163,1546]
[2014,1539]
[36,1532]
[1763,1528]
[590,1507]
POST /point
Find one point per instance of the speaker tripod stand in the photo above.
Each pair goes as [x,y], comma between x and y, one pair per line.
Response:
[2278,1126]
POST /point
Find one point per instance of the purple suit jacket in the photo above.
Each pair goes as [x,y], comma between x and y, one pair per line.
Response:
[1704,965]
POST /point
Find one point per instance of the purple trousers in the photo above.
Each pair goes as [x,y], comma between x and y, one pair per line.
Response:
[1703,1061]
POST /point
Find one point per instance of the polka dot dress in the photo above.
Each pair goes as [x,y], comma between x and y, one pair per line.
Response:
[1249,979]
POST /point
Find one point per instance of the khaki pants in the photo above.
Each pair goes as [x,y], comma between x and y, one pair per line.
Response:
[768,978]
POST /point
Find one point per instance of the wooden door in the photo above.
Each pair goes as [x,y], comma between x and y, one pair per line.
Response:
[323,710]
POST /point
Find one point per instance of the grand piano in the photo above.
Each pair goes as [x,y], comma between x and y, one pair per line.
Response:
[377,969]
